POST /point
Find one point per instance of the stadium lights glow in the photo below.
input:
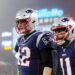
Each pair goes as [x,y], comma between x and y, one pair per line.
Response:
[6,43]
[6,34]
[45,13]
[7,48]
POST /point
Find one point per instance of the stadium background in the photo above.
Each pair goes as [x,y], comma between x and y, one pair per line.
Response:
[8,10]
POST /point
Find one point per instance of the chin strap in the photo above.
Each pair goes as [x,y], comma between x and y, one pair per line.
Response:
[61,42]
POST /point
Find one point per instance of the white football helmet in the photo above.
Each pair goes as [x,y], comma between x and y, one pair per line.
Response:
[29,16]
[68,24]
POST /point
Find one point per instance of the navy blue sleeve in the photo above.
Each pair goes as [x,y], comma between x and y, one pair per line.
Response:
[16,48]
[45,41]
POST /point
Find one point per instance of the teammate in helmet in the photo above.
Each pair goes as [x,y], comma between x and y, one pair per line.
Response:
[64,34]
[34,46]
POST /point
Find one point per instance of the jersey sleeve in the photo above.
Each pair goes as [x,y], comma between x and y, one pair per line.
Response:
[43,41]
[16,47]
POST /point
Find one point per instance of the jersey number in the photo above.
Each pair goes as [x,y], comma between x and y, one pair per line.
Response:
[68,66]
[24,60]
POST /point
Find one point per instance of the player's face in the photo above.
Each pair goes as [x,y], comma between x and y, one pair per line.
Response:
[22,25]
[60,33]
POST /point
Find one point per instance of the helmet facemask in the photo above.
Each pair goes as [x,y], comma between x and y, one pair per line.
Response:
[23,25]
[63,33]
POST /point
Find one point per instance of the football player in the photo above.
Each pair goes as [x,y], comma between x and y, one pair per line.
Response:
[34,46]
[64,34]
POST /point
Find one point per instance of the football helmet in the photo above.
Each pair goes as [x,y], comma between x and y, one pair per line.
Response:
[26,20]
[68,25]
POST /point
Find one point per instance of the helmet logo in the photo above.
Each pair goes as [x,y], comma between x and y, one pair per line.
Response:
[28,11]
[65,20]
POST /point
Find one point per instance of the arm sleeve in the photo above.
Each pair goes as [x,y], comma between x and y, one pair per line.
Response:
[16,48]
[46,57]
[44,41]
